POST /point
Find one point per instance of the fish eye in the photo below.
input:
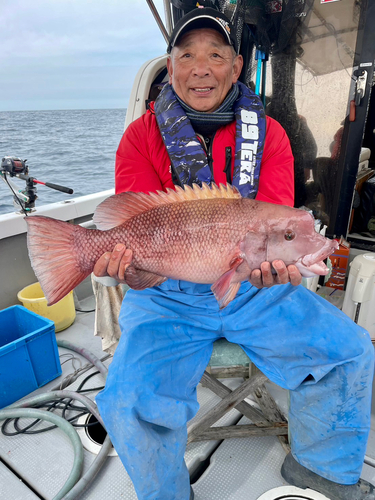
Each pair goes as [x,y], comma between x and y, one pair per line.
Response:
[289,235]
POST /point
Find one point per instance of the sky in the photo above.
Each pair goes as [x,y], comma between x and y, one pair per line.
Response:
[74,54]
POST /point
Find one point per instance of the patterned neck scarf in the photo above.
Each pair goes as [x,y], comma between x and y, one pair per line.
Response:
[206,124]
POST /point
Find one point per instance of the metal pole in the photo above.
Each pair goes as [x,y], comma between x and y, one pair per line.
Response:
[158,20]
[168,16]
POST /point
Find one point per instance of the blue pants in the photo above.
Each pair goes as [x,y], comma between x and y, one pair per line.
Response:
[300,341]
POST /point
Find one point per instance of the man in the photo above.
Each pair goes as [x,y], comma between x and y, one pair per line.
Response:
[298,340]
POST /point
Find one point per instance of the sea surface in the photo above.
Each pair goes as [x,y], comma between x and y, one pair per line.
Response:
[73,148]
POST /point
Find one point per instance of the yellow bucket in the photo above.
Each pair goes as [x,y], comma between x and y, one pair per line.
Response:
[62,313]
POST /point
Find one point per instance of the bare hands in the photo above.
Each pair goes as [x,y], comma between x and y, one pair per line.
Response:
[263,277]
[114,263]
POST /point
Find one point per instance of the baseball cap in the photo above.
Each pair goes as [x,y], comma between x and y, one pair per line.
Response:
[204,17]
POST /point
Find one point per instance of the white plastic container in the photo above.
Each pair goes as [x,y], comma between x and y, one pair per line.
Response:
[359,301]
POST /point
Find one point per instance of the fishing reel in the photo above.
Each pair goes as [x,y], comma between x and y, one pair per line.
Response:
[25,199]
[13,166]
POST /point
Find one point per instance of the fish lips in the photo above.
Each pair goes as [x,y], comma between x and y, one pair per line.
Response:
[312,264]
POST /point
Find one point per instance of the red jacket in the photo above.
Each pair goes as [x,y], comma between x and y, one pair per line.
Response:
[142,162]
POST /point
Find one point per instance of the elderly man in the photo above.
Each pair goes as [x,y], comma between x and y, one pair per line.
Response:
[195,132]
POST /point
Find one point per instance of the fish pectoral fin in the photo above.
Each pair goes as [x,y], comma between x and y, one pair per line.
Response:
[224,289]
[138,279]
[230,294]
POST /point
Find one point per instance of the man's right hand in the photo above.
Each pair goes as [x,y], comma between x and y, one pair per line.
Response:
[114,263]
[264,278]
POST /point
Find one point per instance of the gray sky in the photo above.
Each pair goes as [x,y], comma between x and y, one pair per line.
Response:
[74,54]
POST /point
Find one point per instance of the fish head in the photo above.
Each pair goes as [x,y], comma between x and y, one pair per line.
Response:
[294,240]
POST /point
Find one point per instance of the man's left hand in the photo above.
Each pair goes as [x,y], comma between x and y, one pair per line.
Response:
[264,277]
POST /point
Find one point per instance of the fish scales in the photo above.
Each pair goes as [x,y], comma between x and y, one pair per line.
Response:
[192,240]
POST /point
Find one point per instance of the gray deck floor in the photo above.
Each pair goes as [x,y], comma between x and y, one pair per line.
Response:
[239,469]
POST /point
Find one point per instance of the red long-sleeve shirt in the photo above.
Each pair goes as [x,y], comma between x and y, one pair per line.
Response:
[143,165]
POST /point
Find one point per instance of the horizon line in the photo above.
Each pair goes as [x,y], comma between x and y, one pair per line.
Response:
[64,109]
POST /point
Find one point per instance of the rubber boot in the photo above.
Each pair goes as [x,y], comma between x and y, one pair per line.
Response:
[191,493]
[297,475]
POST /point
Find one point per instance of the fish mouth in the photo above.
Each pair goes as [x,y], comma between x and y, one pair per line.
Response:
[312,264]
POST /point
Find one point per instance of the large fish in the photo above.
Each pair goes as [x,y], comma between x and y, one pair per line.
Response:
[204,235]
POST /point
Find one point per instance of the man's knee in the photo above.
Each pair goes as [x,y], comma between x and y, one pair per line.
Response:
[142,404]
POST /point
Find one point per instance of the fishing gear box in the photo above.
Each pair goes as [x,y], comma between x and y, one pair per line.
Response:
[29,357]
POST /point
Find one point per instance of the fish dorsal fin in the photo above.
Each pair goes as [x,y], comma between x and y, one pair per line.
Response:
[118,208]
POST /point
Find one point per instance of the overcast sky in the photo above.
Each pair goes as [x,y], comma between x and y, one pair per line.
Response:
[74,54]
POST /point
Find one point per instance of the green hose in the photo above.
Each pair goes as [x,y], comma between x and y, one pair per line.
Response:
[55,396]
[64,426]
[89,476]
[97,464]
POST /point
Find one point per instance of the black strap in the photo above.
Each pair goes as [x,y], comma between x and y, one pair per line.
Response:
[228,164]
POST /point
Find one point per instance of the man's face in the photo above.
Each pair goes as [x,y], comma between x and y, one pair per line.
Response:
[202,69]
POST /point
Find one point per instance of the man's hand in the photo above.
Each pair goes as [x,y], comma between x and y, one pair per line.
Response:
[263,277]
[114,263]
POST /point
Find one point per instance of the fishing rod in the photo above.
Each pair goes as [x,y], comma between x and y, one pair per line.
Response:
[15,167]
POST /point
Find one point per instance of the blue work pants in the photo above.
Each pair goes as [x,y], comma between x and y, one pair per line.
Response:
[297,339]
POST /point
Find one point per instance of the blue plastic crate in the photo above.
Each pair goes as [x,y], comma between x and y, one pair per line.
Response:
[29,357]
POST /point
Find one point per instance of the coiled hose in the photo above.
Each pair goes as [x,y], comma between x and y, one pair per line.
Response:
[65,427]
[86,354]
[74,486]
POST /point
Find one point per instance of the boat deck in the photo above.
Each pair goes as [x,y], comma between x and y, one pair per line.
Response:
[36,466]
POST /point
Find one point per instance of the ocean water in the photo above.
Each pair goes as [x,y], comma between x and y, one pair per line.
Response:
[73,148]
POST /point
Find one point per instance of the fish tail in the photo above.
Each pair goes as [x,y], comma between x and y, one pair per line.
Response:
[58,264]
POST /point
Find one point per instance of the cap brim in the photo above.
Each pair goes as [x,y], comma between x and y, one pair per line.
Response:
[204,21]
